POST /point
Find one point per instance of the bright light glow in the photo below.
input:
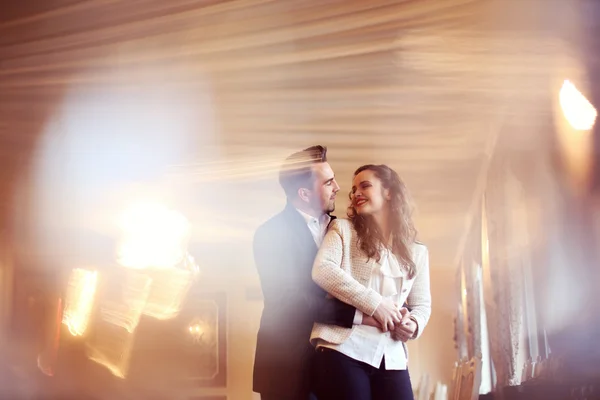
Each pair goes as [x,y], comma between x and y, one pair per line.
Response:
[79,300]
[578,111]
[199,331]
[153,237]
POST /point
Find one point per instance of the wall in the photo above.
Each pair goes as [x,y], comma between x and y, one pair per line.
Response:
[434,352]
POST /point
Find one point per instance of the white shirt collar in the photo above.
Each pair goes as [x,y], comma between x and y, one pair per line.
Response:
[311,220]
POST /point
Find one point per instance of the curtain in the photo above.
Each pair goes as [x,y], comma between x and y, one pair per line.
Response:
[503,283]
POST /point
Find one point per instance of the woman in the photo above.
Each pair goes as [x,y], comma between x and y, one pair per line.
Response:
[372,262]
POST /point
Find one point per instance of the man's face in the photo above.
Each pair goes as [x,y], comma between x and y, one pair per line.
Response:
[322,197]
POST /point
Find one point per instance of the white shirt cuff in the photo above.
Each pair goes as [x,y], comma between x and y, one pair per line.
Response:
[358,317]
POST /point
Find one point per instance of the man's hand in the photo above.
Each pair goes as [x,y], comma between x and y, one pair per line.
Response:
[405,330]
[367,320]
[387,314]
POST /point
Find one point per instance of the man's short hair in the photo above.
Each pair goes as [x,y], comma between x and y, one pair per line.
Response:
[296,171]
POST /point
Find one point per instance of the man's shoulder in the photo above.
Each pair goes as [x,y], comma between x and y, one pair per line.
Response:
[275,227]
[269,224]
[275,220]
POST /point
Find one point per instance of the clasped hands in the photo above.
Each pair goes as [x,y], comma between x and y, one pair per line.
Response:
[389,317]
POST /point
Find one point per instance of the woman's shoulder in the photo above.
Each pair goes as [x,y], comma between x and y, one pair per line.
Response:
[419,246]
[419,250]
[344,228]
[342,225]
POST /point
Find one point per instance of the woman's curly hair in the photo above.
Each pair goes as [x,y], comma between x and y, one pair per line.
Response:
[370,237]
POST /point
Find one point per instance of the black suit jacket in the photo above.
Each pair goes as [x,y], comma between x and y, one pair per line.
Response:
[284,252]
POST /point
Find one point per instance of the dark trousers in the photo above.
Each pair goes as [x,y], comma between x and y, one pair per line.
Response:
[339,377]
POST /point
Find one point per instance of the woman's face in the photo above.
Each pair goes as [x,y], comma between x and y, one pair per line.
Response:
[368,195]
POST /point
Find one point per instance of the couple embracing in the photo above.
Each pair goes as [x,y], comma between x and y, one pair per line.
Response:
[341,296]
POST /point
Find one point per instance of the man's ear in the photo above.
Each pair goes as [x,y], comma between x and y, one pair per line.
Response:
[304,194]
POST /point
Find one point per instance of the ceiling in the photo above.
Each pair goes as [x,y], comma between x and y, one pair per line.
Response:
[198,103]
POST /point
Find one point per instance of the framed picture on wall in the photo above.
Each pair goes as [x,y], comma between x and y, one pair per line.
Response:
[207,329]
[188,351]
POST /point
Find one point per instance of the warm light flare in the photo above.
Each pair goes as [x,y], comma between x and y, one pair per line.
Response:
[200,332]
[157,276]
[153,237]
[578,111]
[79,300]
[120,310]
[125,305]
[168,292]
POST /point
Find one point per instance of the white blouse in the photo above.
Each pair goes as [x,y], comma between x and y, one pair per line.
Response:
[367,343]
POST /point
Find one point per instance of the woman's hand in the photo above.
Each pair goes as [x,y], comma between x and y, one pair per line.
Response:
[387,314]
[371,321]
[405,331]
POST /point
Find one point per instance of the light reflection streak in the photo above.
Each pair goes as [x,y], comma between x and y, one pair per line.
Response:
[46,360]
[120,313]
[127,310]
[169,290]
[79,300]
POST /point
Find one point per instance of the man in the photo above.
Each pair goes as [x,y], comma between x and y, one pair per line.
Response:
[284,251]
